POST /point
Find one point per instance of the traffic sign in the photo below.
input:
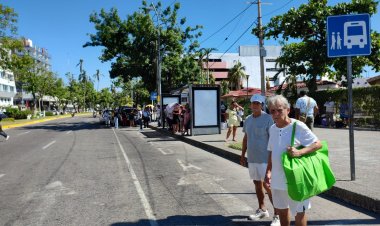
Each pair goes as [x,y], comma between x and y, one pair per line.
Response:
[348,35]
[153,96]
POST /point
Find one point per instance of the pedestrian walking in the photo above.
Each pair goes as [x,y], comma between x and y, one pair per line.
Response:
[280,135]
[140,118]
[233,122]
[330,110]
[306,109]
[255,143]
[116,119]
[2,133]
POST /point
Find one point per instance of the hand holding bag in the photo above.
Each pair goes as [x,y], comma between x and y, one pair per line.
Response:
[308,175]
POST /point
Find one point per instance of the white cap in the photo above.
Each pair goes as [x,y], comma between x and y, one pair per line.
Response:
[258,98]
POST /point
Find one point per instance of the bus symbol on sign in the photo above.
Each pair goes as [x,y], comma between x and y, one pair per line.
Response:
[355,34]
[350,30]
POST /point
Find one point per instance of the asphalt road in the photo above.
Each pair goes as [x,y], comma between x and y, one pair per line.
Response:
[73,171]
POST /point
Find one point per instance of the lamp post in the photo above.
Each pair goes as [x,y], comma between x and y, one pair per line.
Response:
[247,76]
[158,66]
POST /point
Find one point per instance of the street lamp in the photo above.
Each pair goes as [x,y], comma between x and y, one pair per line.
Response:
[247,77]
[158,67]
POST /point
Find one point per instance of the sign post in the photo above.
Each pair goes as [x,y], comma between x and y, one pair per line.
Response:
[349,35]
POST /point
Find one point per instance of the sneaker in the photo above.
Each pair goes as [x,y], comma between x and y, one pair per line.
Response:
[275,221]
[260,214]
[7,138]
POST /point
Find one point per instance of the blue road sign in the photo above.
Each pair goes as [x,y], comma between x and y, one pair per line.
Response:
[153,96]
[348,35]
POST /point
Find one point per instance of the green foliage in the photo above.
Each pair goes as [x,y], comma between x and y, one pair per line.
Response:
[15,113]
[49,113]
[8,120]
[236,146]
[235,75]
[365,101]
[307,57]
[132,45]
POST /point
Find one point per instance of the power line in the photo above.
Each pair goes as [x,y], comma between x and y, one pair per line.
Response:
[236,41]
[226,24]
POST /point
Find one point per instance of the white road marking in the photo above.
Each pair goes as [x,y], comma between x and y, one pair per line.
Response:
[167,152]
[1,175]
[46,146]
[144,200]
[68,132]
[188,166]
[23,133]
[220,195]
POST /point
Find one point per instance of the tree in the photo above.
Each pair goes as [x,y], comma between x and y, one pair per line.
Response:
[206,53]
[9,44]
[97,77]
[132,45]
[235,75]
[307,57]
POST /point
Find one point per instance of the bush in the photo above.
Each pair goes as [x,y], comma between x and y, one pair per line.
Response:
[17,114]
[49,113]
[8,120]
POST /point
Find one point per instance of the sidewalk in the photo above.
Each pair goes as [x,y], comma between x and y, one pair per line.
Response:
[364,191]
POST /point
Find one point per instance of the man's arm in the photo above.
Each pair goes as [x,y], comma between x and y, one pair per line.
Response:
[297,113]
[243,160]
[316,109]
[268,174]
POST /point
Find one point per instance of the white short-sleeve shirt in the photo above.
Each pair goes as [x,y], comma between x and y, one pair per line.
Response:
[279,141]
[302,104]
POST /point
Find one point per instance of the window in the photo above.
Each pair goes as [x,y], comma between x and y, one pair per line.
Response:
[11,88]
[5,88]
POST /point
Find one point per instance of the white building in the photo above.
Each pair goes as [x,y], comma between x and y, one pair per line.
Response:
[249,56]
[7,89]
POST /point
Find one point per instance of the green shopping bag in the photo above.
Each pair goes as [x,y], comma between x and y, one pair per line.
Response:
[308,175]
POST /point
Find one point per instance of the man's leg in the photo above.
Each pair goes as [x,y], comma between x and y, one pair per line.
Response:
[260,193]
[284,217]
[301,219]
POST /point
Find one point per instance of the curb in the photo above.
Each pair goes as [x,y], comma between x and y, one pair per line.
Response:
[344,195]
[34,122]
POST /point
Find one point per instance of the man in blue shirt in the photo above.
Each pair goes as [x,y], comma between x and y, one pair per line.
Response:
[255,143]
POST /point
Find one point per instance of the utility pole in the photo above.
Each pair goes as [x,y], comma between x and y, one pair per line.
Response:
[261,47]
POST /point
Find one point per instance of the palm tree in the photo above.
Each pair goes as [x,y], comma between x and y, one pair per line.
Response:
[97,77]
[235,75]
[207,52]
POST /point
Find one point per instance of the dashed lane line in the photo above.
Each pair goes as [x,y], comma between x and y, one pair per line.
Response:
[1,175]
[23,133]
[48,145]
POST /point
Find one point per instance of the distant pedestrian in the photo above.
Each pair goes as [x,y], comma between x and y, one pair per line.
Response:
[330,110]
[343,112]
[2,133]
[233,122]
[140,118]
[306,109]
[187,120]
[255,143]
[116,119]
[280,141]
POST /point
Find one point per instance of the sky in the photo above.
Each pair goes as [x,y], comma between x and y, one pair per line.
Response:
[62,27]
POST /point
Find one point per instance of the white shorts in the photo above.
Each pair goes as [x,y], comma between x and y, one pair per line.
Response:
[281,200]
[257,171]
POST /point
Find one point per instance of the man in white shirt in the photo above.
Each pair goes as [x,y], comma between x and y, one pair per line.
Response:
[306,109]
[280,141]
[330,110]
